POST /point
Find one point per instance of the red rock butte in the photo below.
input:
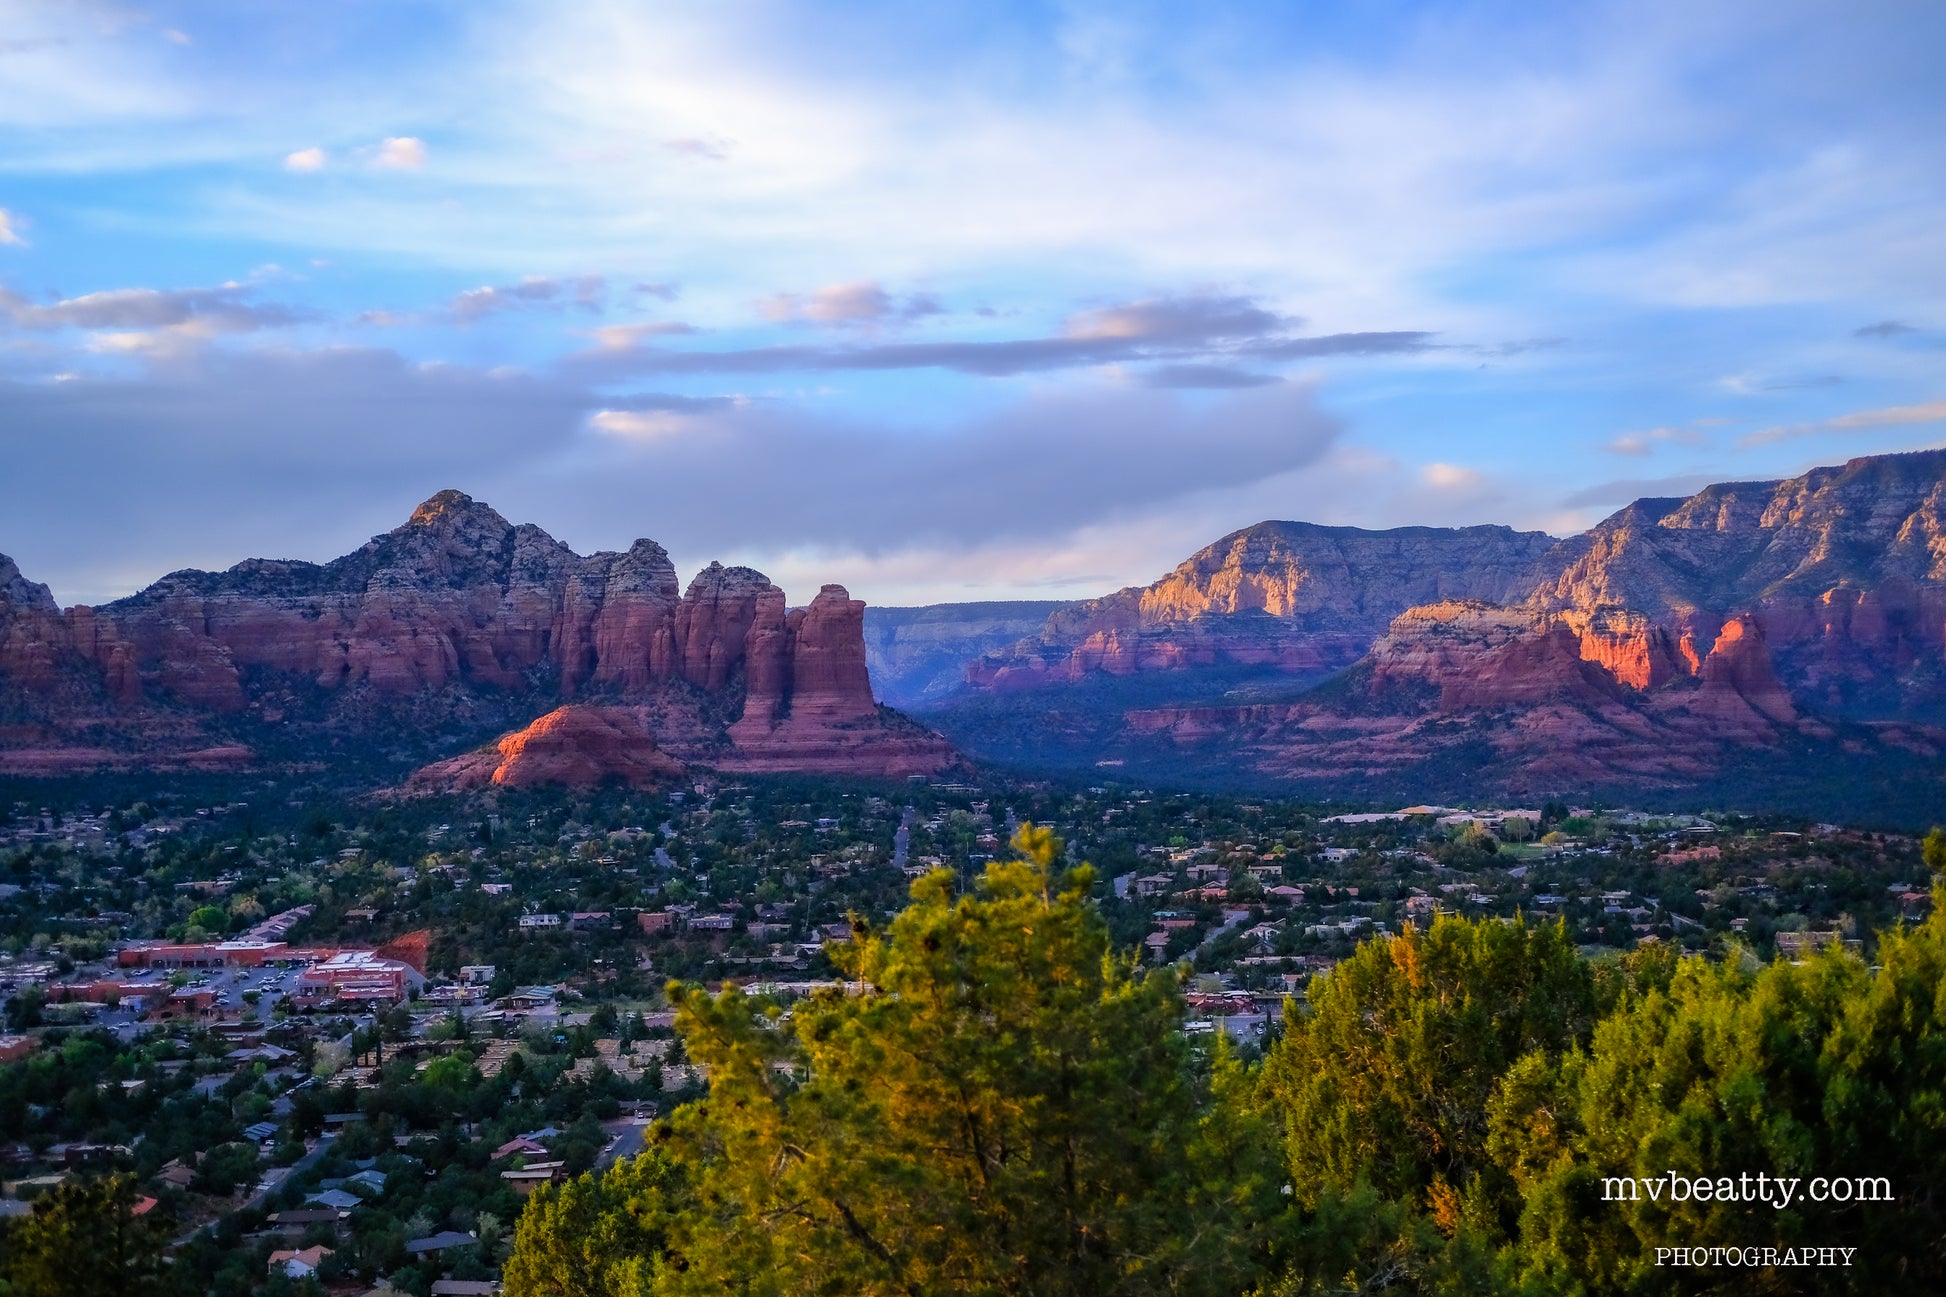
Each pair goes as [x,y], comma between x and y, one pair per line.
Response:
[458,615]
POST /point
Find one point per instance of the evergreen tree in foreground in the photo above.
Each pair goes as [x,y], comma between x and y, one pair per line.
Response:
[1004,1106]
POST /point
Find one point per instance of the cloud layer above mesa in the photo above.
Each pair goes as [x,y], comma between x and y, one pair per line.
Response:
[1012,295]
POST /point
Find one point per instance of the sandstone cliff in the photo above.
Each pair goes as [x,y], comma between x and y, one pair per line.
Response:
[447,624]
[1292,596]
[1663,645]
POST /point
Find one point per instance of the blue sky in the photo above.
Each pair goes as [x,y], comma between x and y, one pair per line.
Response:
[945,301]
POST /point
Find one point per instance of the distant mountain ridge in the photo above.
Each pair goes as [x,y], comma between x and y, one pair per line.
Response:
[1679,638]
[453,623]
[918,655]
[1293,595]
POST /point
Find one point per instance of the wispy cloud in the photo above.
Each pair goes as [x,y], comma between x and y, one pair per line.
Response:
[586,292]
[1179,329]
[10,225]
[1884,329]
[222,309]
[1644,443]
[1205,376]
[1890,417]
[621,337]
[846,305]
[311,159]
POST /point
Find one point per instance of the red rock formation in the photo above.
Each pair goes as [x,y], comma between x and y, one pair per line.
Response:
[1629,647]
[34,641]
[808,703]
[1738,680]
[714,621]
[409,948]
[1528,670]
[576,745]
[769,647]
[1291,596]
[829,681]
[454,607]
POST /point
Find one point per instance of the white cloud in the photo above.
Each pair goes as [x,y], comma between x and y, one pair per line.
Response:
[401,153]
[311,159]
[1451,477]
[10,229]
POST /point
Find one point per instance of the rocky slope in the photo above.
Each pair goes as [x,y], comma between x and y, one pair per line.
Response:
[575,745]
[455,622]
[1291,596]
[1801,620]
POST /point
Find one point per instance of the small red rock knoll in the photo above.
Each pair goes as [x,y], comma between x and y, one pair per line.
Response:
[574,745]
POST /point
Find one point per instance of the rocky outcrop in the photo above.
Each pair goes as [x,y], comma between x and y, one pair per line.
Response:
[453,619]
[1845,567]
[578,746]
[808,705]
[1675,639]
[1290,596]
[35,647]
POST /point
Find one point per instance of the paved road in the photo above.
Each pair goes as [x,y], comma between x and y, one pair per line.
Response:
[628,1135]
[1231,918]
[322,1147]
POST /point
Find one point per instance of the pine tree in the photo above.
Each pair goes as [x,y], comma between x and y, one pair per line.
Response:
[1006,1107]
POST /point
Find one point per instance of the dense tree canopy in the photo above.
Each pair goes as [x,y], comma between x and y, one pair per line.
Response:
[1004,1104]
[82,1240]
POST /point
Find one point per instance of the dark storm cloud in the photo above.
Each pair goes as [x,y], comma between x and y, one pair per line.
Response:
[1187,328]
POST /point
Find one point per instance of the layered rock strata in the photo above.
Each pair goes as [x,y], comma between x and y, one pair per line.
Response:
[455,613]
[1650,649]
[1288,595]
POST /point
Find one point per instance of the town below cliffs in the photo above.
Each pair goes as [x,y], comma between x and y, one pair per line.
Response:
[1754,639]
